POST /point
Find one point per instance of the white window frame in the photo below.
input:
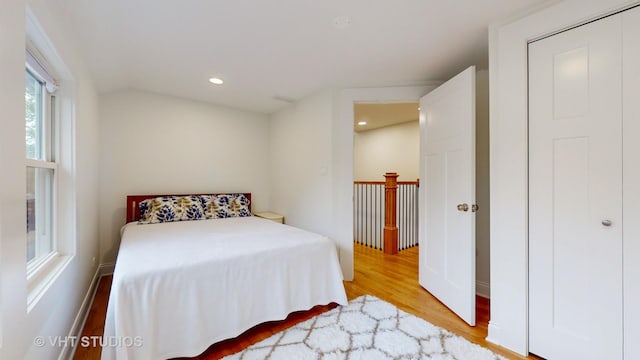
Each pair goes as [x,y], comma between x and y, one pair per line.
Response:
[41,275]
[49,153]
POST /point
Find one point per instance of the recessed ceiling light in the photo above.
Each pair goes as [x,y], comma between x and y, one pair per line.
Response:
[216,81]
[341,22]
[362,123]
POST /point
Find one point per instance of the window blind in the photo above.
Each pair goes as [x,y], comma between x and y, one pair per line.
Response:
[37,65]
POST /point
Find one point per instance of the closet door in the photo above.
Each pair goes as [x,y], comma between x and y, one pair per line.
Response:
[575,193]
[631,180]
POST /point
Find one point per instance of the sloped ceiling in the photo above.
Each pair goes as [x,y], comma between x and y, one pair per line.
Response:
[273,52]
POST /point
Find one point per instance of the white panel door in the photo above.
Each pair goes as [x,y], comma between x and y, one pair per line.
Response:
[575,193]
[631,180]
[447,266]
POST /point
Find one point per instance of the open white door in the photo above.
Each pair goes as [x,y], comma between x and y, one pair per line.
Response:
[447,267]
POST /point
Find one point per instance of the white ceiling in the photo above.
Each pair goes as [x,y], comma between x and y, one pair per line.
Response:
[386,114]
[279,48]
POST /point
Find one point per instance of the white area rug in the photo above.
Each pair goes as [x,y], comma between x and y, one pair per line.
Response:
[369,329]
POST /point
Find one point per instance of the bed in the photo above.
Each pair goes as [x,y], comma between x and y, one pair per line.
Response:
[180,286]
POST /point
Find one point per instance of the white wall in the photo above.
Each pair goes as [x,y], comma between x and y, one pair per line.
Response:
[54,313]
[393,148]
[154,144]
[509,153]
[300,163]
[311,159]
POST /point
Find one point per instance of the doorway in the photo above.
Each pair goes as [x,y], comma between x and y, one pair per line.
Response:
[386,140]
[352,97]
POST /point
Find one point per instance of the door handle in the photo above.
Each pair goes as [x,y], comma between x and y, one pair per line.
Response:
[463,207]
[606,223]
[474,207]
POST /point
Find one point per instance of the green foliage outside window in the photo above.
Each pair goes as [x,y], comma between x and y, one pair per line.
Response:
[33,116]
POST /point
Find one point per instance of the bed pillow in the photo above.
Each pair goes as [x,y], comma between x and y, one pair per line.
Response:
[240,206]
[170,208]
[158,210]
[189,208]
[217,206]
[225,206]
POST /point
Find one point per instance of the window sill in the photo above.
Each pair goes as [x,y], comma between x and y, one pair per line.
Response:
[41,278]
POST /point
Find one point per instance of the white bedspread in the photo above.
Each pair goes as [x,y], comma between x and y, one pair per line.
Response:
[180,287]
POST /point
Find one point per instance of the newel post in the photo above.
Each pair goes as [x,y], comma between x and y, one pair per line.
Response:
[390,226]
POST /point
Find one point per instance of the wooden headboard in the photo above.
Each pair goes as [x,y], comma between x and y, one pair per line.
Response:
[133,210]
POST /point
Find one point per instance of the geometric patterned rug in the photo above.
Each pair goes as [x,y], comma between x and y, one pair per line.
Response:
[368,329]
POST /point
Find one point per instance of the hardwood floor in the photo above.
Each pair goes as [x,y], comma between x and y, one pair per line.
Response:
[393,278]
[94,326]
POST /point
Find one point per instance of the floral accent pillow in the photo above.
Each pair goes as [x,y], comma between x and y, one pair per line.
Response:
[217,206]
[170,208]
[225,205]
[240,206]
[158,210]
[189,208]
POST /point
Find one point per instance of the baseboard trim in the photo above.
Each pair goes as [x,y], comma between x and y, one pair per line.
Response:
[106,269]
[78,323]
[483,289]
[81,318]
[496,335]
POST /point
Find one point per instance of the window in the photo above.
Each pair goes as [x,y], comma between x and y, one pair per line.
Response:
[40,122]
[50,194]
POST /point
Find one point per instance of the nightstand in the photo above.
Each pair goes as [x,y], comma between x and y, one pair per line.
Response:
[270,216]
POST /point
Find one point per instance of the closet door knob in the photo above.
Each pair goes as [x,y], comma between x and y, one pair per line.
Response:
[463,207]
[606,223]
